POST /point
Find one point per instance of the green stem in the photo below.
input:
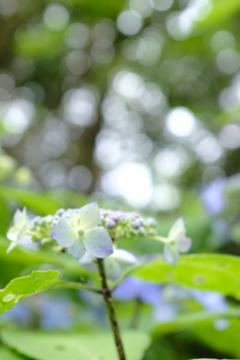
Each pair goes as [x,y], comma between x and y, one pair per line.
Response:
[136,314]
[111,311]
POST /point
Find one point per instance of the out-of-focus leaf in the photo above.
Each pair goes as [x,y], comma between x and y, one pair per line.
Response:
[7,354]
[221,11]
[75,346]
[5,216]
[193,320]
[224,340]
[213,272]
[38,202]
[29,257]
[106,8]
[22,287]
[39,42]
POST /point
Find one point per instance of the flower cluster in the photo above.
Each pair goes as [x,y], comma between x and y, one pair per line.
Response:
[89,232]
[127,224]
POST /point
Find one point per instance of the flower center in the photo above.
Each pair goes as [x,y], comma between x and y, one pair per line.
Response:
[80,232]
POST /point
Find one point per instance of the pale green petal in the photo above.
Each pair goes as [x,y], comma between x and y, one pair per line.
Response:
[98,242]
[113,268]
[177,230]
[64,233]
[77,250]
[12,233]
[89,216]
[170,254]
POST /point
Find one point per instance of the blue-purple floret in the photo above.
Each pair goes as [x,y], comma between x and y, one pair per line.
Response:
[127,224]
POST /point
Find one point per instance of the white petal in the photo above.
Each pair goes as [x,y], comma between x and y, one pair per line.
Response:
[98,242]
[12,233]
[170,254]
[124,257]
[89,262]
[184,244]
[17,218]
[64,233]
[77,250]
[75,220]
[89,216]
[177,230]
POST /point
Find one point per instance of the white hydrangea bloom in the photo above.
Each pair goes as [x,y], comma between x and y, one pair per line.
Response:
[19,228]
[79,232]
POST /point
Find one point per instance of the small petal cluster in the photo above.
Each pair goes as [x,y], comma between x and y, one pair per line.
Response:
[114,265]
[127,224]
[19,228]
[176,242]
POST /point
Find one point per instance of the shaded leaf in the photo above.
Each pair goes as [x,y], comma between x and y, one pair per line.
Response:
[38,202]
[193,320]
[75,346]
[225,340]
[7,354]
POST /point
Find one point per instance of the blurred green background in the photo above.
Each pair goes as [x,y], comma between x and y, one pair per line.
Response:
[135,104]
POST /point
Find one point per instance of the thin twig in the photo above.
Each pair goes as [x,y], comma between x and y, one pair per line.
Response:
[112,315]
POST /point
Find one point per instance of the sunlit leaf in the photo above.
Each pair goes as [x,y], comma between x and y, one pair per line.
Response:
[213,272]
[75,346]
[22,287]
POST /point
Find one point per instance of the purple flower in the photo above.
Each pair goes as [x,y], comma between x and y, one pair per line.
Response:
[165,312]
[20,313]
[212,196]
[134,288]
[137,223]
[110,223]
[55,313]
[211,300]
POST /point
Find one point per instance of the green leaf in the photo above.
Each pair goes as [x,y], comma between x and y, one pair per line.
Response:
[226,341]
[38,202]
[213,272]
[193,320]
[29,257]
[75,346]
[6,354]
[22,287]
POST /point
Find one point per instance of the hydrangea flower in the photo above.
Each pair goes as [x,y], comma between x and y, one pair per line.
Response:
[114,264]
[19,228]
[175,242]
[79,232]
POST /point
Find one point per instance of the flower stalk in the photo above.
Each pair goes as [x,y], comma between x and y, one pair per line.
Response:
[106,292]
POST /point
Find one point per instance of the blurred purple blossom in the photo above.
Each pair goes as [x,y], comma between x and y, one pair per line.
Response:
[21,313]
[55,313]
[134,288]
[211,300]
[212,196]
